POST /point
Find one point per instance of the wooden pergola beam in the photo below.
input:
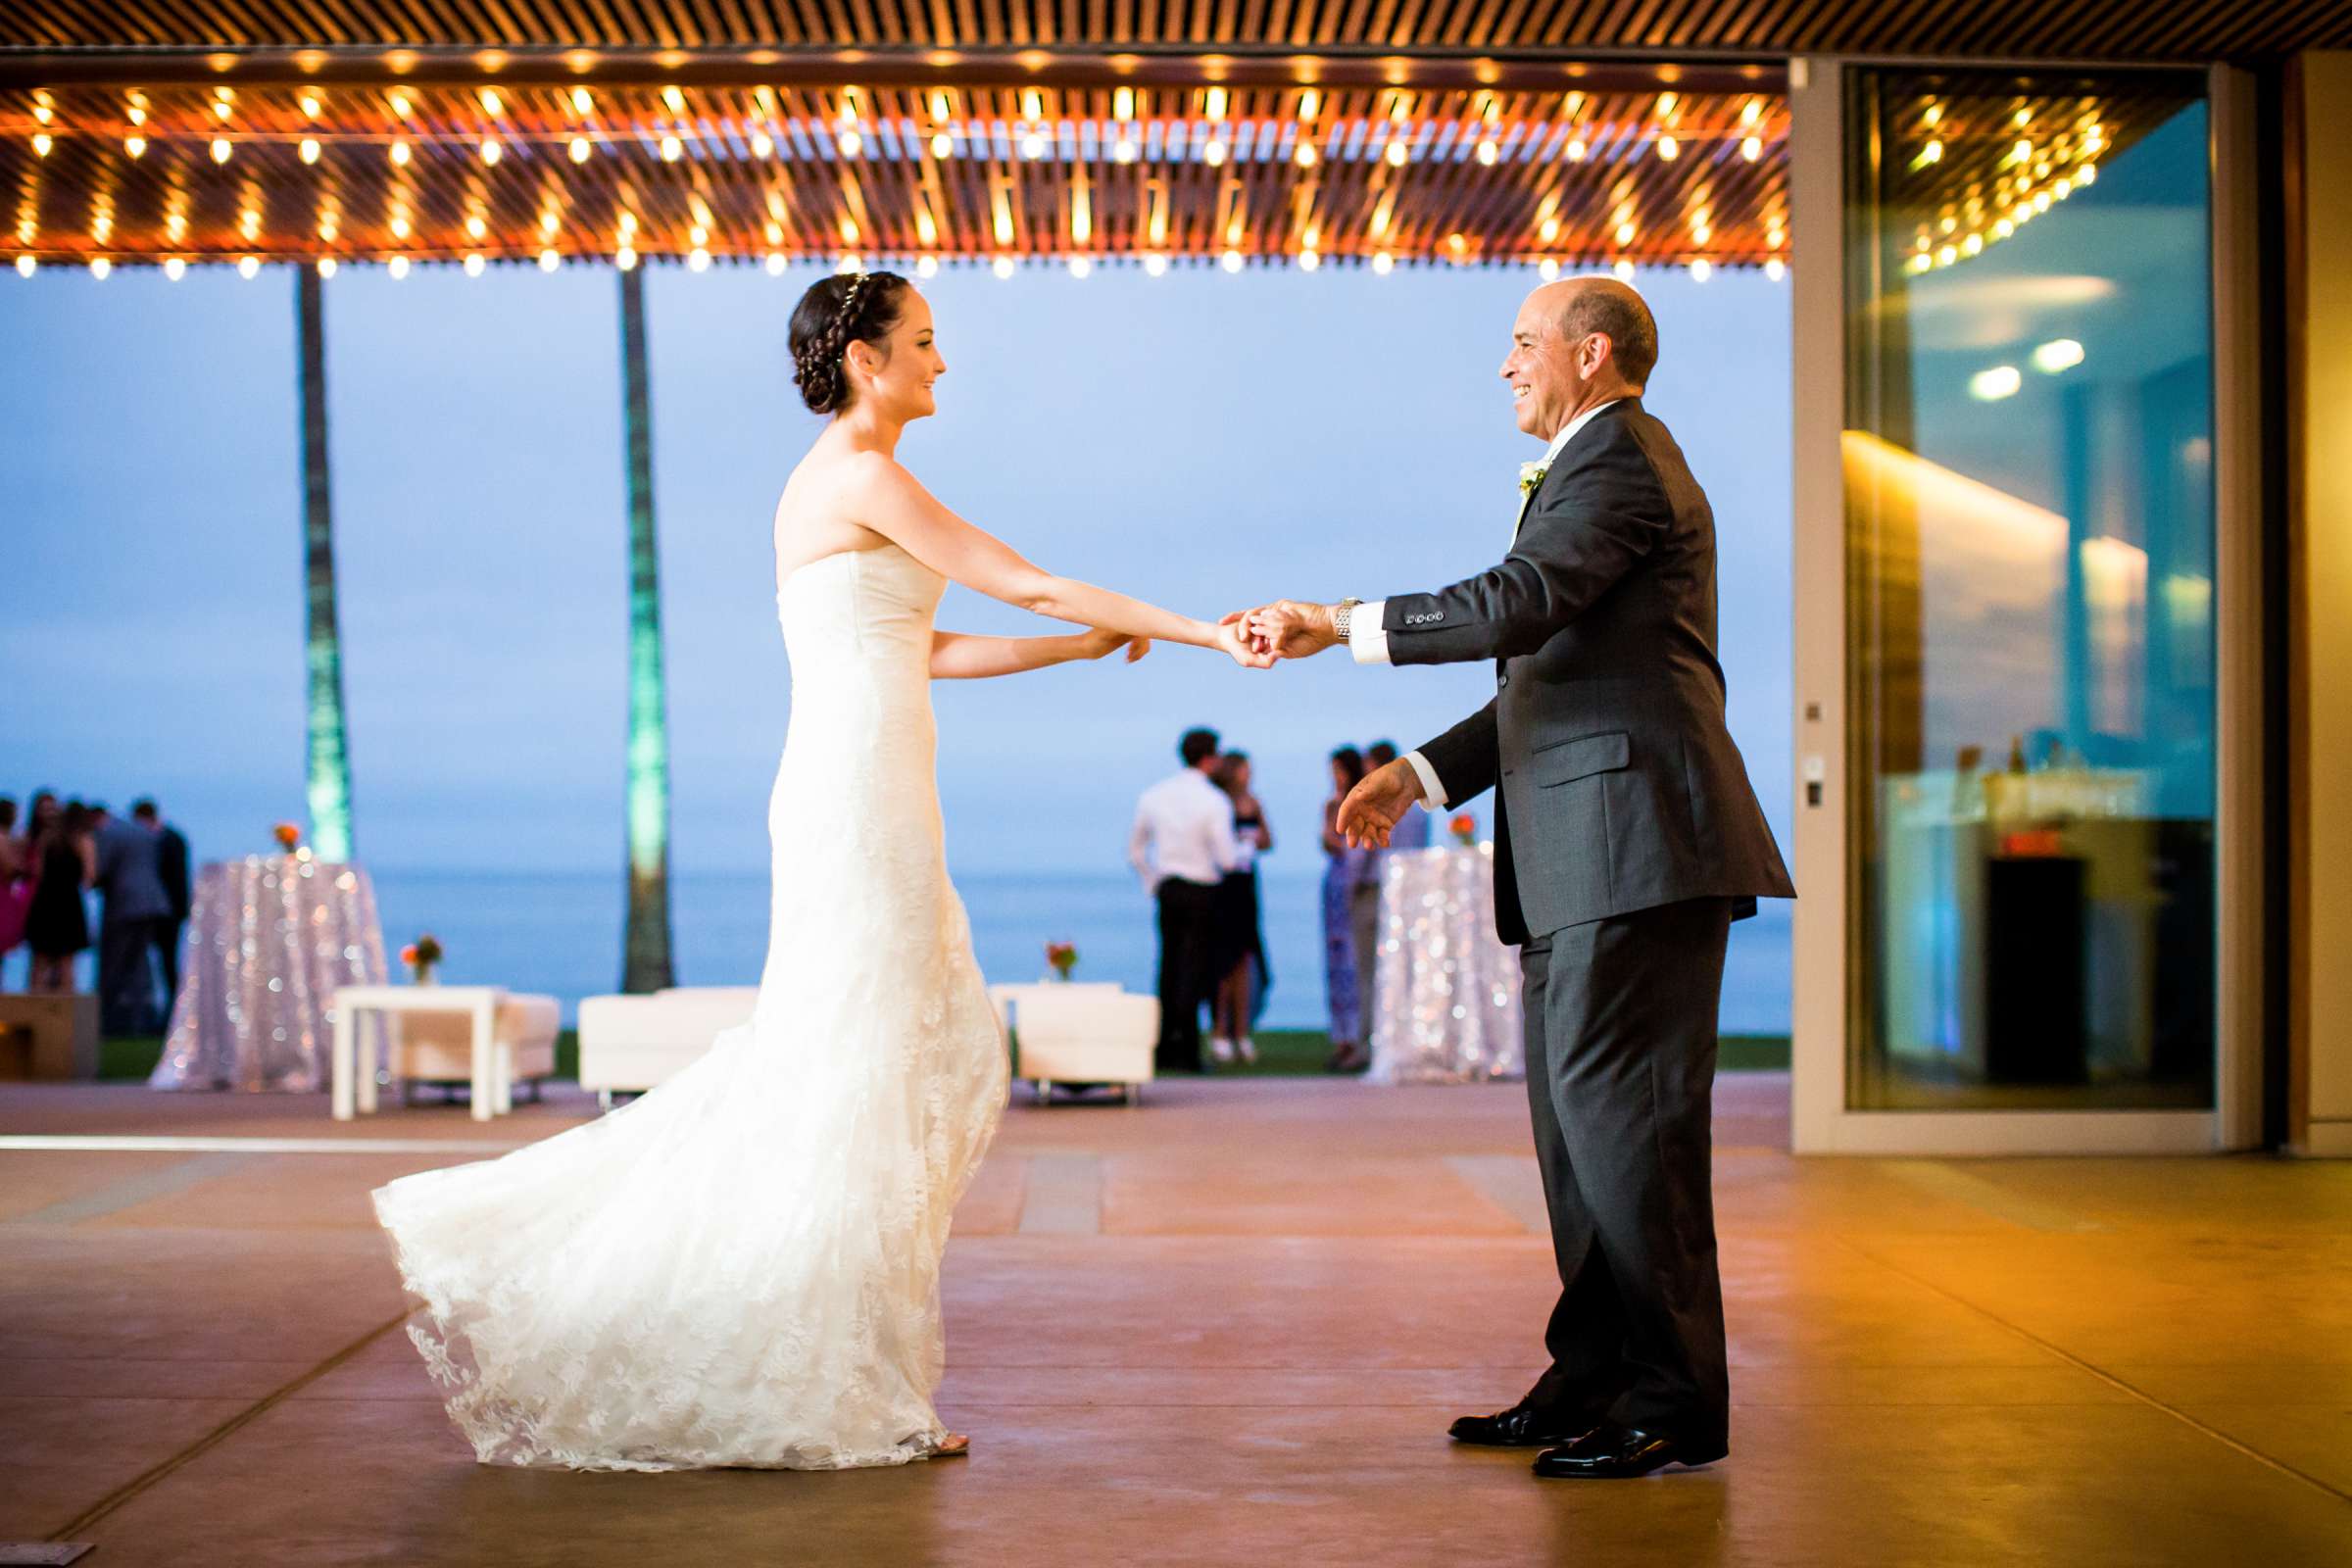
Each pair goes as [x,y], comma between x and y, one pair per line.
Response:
[1424,71]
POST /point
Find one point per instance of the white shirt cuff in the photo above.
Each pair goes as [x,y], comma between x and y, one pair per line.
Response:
[1433,793]
[1367,639]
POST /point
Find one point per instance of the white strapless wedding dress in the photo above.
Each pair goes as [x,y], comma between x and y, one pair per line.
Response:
[742,1266]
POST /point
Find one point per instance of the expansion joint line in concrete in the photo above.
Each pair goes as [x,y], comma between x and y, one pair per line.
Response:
[2102,1373]
[225,1431]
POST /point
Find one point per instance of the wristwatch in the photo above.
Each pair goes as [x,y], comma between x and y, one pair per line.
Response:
[1343,616]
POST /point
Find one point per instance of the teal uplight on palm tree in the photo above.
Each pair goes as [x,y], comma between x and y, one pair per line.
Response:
[646,960]
[329,753]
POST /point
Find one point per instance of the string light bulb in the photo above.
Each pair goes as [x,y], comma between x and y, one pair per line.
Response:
[1548,269]
[1309,260]
[1156,266]
[136,146]
[1751,112]
[1398,153]
[492,104]
[491,150]
[763,144]
[399,153]
[1549,230]
[674,100]
[924,267]
[27,266]
[943,145]
[849,143]
[671,149]
[1306,155]
[1122,103]
[249,267]
[1080,267]
[221,149]
[582,101]
[1669,149]
[1489,152]
[175,269]
[1215,103]
[100,267]
[473,264]
[1701,269]
[399,226]
[398,266]
[1776,269]
[326,267]
[550,259]
[1623,271]
[1033,145]
[1001,266]
[1751,148]
[310,149]
[581,147]
[775,264]
[698,259]
[1231,260]
[1625,233]
[1383,263]
[475,226]
[1125,152]
[1213,153]
[624,257]
[400,105]
[1576,150]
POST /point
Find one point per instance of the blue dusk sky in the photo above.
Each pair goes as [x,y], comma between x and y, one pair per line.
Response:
[1204,440]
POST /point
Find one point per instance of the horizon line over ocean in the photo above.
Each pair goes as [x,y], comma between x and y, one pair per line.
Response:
[559,932]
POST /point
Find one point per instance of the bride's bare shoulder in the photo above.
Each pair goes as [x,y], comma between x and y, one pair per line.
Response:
[829,502]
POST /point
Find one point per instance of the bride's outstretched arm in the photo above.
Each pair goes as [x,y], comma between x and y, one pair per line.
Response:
[897,506]
[962,655]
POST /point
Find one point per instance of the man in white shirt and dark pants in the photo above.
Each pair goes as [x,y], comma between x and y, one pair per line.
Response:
[1182,846]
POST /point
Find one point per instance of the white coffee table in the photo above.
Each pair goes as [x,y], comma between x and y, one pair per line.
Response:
[354,1090]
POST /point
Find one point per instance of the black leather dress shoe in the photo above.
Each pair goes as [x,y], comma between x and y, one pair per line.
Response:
[1619,1453]
[1522,1426]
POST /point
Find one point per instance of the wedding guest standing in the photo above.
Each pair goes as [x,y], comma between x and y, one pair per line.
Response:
[1182,846]
[16,884]
[1342,868]
[1413,832]
[1242,974]
[133,910]
[56,927]
[172,864]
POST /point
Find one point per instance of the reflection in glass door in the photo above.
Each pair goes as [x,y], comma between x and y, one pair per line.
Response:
[2030,505]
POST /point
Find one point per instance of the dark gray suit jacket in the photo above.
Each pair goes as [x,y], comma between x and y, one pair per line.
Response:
[1620,787]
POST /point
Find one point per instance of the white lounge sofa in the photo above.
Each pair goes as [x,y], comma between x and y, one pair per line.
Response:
[437,1048]
[1079,1033]
[630,1043]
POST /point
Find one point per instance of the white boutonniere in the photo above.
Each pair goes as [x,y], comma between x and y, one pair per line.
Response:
[1531,474]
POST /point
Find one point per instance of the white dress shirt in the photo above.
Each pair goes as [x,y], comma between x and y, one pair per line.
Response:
[1183,828]
[1368,639]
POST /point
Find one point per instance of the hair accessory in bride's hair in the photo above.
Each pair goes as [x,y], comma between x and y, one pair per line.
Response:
[849,301]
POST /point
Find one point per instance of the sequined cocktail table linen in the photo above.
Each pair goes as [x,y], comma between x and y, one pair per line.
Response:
[1445,992]
[270,938]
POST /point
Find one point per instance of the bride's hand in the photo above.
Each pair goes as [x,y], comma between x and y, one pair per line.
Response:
[1096,642]
[1234,639]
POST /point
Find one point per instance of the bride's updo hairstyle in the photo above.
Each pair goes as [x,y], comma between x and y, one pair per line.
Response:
[836,311]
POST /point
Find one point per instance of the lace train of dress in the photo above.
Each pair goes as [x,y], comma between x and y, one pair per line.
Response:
[742,1266]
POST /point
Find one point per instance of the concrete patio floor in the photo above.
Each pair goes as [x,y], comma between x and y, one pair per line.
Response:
[1228,1328]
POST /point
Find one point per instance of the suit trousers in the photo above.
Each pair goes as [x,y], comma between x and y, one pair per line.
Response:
[169,930]
[1187,947]
[126,977]
[1621,1019]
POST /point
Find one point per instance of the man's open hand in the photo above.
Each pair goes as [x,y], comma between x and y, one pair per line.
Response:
[1374,808]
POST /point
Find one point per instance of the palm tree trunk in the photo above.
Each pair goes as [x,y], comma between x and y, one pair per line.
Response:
[328,749]
[646,960]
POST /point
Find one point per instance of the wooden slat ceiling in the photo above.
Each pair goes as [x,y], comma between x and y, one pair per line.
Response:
[743,173]
[2007,30]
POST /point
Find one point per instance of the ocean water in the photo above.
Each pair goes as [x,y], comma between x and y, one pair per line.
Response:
[560,933]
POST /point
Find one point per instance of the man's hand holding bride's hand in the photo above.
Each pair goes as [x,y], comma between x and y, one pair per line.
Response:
[1291,629]
[1097,642]
[1234,636]
[1374,808]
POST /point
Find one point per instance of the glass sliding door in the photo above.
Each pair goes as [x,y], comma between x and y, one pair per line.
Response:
[2030,699]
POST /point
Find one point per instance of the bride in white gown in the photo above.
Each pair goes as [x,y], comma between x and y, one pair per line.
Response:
[742,1266]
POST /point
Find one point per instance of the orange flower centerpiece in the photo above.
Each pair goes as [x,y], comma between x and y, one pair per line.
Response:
[1465,830]
[288,836]
[1063,957]
[422,957]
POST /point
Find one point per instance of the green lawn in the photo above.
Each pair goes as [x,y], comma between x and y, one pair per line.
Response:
[1281,1053]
